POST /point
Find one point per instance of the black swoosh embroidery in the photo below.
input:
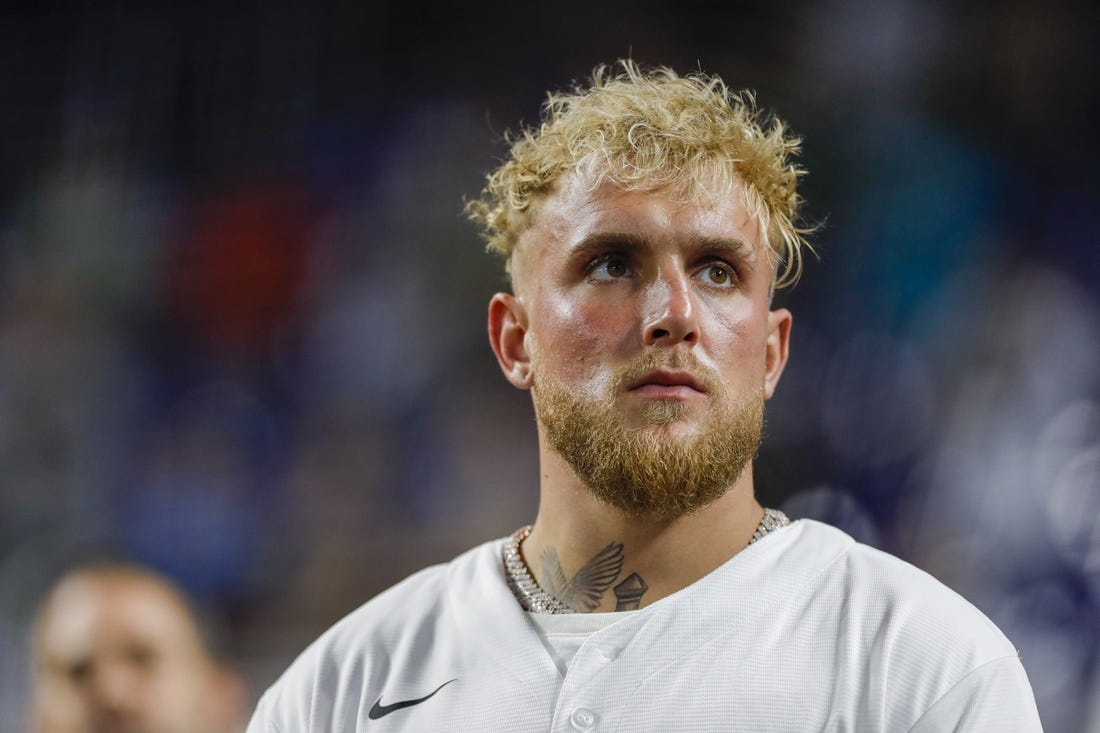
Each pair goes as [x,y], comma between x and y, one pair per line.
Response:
[380,710]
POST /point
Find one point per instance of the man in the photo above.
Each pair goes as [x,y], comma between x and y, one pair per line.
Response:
[116,649]
[645,224]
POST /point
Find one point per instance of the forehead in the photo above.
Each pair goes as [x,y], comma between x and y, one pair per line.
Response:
[92,615]
[580,206]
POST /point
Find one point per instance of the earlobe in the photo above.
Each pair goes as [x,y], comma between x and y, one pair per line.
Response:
[776,349]
[507,331]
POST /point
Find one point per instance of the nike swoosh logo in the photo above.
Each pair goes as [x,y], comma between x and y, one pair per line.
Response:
[379,710]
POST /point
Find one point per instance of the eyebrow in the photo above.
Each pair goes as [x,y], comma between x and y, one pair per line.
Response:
[627,241]
[604,240]
[733,246]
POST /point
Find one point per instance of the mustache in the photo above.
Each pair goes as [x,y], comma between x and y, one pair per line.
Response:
[649,361]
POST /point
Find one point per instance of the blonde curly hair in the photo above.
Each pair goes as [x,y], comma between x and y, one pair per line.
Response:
[649,130]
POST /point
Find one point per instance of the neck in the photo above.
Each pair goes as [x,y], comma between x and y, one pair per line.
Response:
[595,558]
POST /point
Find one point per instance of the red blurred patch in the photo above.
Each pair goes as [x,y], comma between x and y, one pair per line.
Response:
[237,279]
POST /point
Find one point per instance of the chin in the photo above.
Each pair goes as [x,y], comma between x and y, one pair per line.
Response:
[666,413]
[679,431]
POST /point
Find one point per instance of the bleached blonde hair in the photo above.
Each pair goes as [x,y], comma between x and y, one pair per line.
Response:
[649,130]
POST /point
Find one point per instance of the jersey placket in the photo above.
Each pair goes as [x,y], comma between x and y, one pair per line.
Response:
[596,683]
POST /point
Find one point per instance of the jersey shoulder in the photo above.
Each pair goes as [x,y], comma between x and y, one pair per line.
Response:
[883,591]
[360,649]
[915,631]
[913,600]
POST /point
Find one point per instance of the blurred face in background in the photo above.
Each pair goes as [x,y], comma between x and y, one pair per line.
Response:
[118,651]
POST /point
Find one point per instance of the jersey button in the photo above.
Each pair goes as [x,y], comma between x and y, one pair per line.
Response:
[583,719]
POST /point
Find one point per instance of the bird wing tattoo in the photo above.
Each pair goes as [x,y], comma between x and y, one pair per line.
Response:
[584,591]
[553,575]
[592,581]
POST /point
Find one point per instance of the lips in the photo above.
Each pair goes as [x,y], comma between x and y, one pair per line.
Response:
[672,381]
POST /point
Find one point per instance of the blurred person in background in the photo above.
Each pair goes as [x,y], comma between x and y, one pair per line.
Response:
[646,224]
[117,649]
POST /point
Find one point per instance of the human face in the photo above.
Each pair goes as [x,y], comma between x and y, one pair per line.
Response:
[651,312]
[119,653]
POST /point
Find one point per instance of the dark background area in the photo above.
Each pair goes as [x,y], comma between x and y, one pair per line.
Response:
[242,316]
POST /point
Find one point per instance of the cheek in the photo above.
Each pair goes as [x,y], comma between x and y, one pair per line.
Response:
[62,706]
[578,341]
[178,691]
[736,343]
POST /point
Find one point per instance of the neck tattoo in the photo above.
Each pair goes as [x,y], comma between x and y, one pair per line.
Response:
[600,572]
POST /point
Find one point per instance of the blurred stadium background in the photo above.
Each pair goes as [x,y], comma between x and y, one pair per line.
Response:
[242,316]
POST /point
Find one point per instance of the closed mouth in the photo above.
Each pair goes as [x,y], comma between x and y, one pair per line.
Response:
[668,378]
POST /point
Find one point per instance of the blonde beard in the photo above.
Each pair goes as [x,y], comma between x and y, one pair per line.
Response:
[647,472]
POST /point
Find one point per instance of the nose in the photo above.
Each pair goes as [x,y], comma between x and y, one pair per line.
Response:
[670,310]
[115,689]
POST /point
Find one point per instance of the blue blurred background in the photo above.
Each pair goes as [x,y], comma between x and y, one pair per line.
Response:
[242,317]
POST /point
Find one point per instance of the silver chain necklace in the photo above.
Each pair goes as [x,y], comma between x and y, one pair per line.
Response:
[534,599]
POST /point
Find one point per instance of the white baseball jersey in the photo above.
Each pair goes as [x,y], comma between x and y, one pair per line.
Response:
[806,630]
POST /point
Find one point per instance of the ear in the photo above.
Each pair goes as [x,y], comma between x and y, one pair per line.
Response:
[776,348]
[507,329]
